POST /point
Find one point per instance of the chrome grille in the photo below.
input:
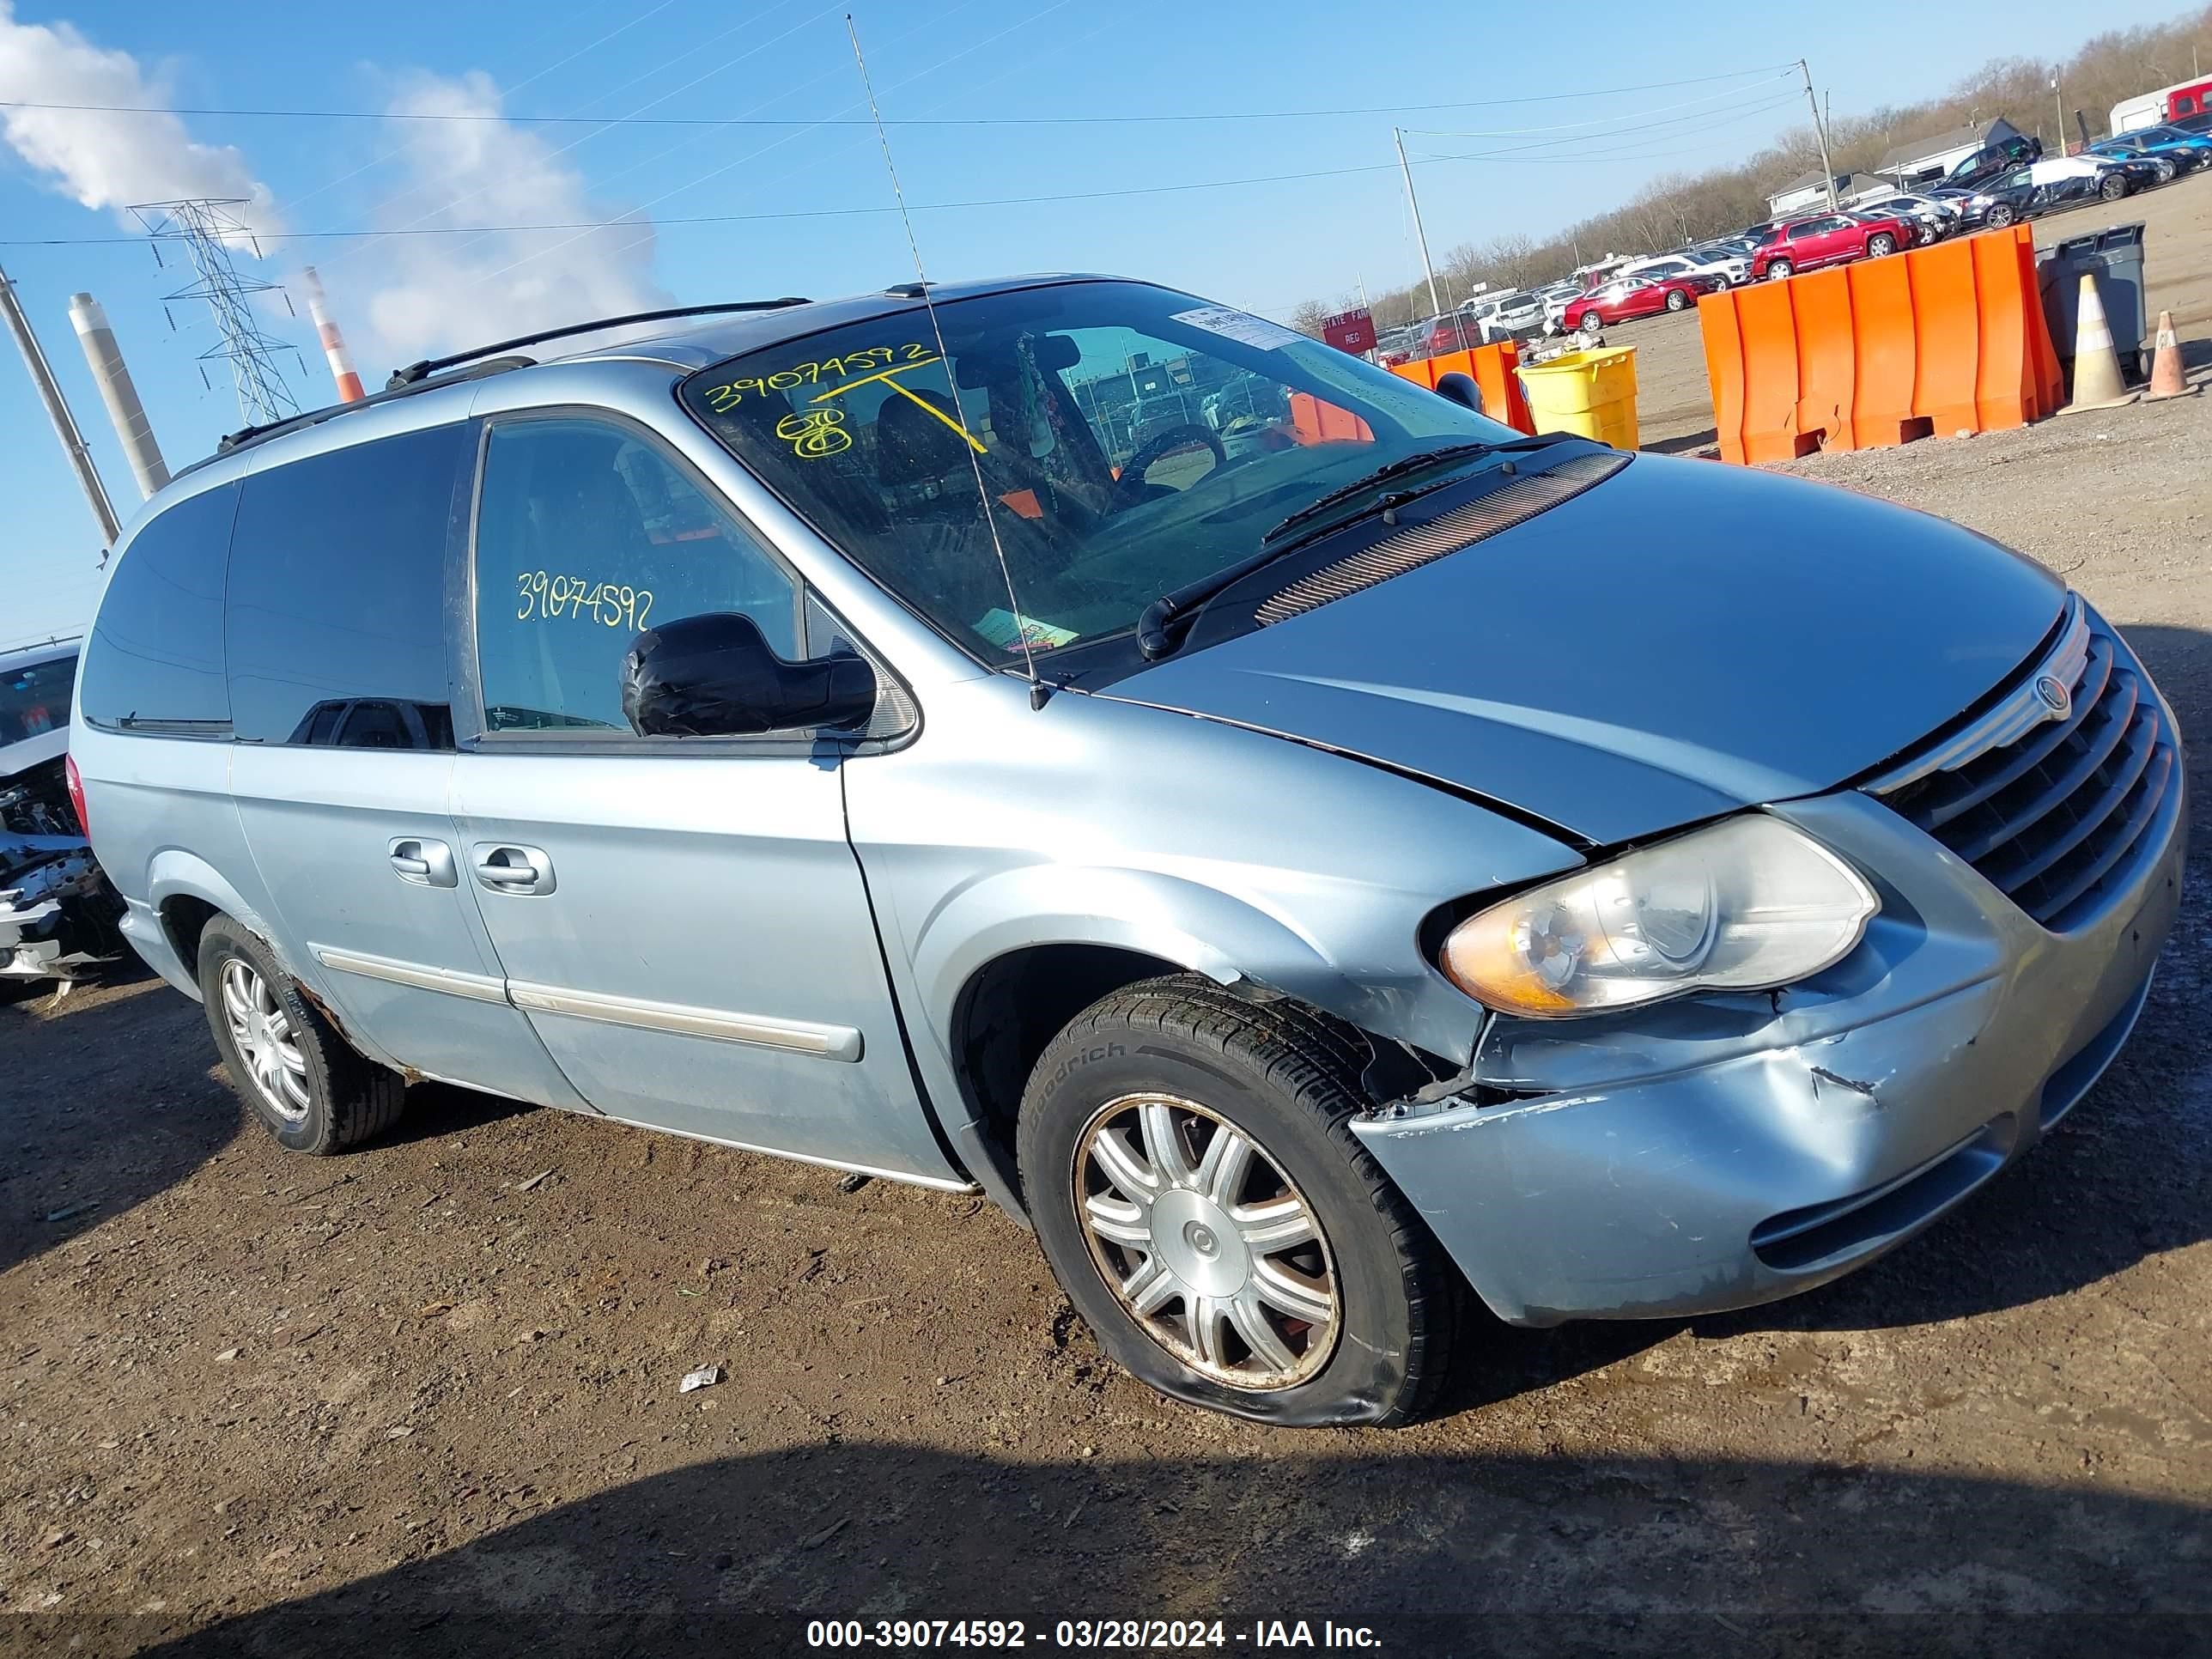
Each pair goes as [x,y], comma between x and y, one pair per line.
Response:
[1463,527]
[2049,793]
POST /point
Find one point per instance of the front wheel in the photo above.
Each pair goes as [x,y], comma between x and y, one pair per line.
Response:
[1187,1158]
[2112,188]
[1591,330]
[1780,270]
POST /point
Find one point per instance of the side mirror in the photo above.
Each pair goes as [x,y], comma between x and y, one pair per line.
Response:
[1461,389]
[715,676]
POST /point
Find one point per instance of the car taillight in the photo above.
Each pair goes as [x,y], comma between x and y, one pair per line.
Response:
[77,796]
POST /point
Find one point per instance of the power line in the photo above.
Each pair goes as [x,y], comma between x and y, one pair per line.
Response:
[943,121]
[1595,121]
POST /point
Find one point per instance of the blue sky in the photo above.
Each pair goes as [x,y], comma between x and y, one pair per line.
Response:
[1264,247]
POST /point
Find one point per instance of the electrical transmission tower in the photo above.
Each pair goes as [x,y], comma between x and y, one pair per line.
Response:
[209,230]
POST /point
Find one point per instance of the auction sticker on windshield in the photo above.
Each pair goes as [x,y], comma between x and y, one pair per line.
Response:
[1241,326]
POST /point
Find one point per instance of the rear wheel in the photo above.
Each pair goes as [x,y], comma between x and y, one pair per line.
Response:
[304,1081]
[1881,245]
[1676,299]
[1780,270]
[1999,216]
[1188,1160]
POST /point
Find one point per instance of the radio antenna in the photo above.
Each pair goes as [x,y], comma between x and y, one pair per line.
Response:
[1038,690]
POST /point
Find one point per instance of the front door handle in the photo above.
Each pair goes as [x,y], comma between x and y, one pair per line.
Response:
[502,867]
[423,863]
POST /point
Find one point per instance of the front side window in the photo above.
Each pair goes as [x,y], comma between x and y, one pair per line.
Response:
[34,699]
[154,662]
[1114,441]
[337,596]
[588,534]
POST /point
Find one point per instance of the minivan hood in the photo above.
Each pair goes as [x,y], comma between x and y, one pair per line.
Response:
[1683,640]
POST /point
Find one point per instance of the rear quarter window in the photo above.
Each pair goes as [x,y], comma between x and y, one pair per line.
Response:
[155,661]
[338,581]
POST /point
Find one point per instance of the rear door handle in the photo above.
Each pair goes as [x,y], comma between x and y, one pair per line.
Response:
[423,863]
[502,867]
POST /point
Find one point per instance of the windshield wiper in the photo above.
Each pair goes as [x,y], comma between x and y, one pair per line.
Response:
[1156,634]
[1383,474]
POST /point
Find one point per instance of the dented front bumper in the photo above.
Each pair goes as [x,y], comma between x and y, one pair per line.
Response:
[1718,1153]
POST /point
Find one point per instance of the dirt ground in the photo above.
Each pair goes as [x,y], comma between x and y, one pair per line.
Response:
[1674,403]
[424,1398]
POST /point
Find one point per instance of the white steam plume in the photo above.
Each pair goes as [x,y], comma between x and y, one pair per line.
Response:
[436,292]
[103,159]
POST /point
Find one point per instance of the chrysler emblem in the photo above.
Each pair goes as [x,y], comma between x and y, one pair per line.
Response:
[2052,690]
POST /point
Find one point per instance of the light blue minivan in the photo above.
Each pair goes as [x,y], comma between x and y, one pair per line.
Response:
[1314,862]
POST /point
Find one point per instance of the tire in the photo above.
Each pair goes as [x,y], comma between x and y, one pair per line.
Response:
[1780,270]
[1592,331]
[326,1097]
[2112,187]
[1881,245]
[1998,217]
[1152,1077]
[1676,300]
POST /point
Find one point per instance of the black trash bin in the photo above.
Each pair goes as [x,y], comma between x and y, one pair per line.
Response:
[2115,258]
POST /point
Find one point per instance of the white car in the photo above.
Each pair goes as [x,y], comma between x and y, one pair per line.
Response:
[1730,268]
[1936,217]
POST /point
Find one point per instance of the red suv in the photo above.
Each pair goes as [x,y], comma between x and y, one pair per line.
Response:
[1624,297]
[1832,239]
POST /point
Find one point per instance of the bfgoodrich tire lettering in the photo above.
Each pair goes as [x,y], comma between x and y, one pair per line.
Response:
[1380,1299]
[317,1094]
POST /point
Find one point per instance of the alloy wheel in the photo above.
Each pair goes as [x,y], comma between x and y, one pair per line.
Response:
[1207,1243]
[262,1032]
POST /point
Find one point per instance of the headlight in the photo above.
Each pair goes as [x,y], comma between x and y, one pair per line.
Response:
[1744,905]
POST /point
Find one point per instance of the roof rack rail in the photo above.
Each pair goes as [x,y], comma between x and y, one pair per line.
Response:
[414,374]
[247,437]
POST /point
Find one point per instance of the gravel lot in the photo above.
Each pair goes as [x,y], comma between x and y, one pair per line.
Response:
[424,1397]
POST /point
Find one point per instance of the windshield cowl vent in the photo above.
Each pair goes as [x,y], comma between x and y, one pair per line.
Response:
[1448,532]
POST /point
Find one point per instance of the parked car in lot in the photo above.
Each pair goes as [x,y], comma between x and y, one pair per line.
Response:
[58,912]
[1397,346]
[1626,297]
[1515,315]
[2041,187]
[1993,160]
[819,748]
[1933,216]
[2178,152]
[1829,239]
[1729,267]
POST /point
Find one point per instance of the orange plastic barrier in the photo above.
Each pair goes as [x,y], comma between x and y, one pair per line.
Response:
[1315,421]
[1493,368]
[1944,339]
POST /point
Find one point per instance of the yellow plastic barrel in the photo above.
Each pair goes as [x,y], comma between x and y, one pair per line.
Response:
[1591,394]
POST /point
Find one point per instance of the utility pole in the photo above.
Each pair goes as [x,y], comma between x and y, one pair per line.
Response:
[57,411]
[1436,300]
[2059,99]
[1820,132]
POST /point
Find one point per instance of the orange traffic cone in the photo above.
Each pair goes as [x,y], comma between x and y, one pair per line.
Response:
[2097,383]
[2166,379]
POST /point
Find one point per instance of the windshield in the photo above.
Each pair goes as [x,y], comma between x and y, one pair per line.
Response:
[1130,440]
[36,700]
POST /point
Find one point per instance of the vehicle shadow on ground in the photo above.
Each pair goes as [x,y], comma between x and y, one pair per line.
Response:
[72,1160]
[1462,1554]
